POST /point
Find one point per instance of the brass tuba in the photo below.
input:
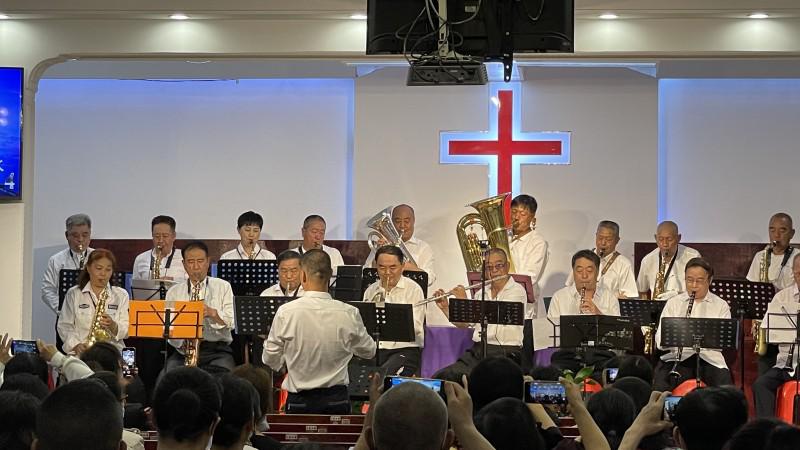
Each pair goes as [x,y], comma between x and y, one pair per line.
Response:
[384,229]
[97,333]
[491,218]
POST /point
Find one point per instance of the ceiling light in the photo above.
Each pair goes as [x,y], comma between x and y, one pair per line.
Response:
[178,16]
[608,16]
[758,15]
[358,16]
[4,17]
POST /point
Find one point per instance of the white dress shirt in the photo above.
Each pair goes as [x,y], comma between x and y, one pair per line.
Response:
[675,281]
[70,367]
[711,307]
[618,277]
[406,292]
[316,336]
[779,275]
[510,335]
[336,257]
[77,315]
[567,302]
[65,259]
[529,254]
[216,293]
[276,291]
[143,263]
[422,253]
[240,253]
[789,295]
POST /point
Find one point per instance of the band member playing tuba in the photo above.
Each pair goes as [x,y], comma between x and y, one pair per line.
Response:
[661,274]
[94,310]
[249,227]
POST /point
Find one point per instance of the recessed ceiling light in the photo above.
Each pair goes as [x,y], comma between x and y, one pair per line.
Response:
[359,17]
[4,17]
[178,16]
[758,15]
[608,16]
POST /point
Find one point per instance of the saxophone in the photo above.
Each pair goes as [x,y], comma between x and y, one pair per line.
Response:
[661,281]
[191,347]
[82,260]
[155,271]
[759,334]
[253,253]
[97,333]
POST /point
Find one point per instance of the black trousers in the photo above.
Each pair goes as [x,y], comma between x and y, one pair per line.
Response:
[470,358]
[765,389]
[404,362]
[330,400]
[710,375]
[526,357]
[767,361]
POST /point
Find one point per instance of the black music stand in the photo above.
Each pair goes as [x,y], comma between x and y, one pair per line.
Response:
[150,289]
[347,284]
[583,332]
[643,313]
[784,329]
[248,277]
[392,322]
[370,275]
[253,316]
[67,278]
[485,312]
[747,300]
[699,333]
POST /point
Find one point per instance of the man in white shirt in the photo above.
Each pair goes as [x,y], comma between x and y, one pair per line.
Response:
[398,358]
[668,259]
[217,298]
[313,233]
[616,270]
[249,227]
[529,254]
[766,386]
[713,369]
[170,260]
[404,220]
[501,340]
[781,232]
[315,337]
[288,284]
[79,235]
[585,297]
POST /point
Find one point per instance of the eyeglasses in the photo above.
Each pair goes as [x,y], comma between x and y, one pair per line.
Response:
[497,267]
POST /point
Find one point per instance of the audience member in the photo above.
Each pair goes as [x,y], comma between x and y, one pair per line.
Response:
[133,440]
[27,383]
[753,435]
[237,415]
[186,404]
[784,437]
[508,425]
[495,377]
[636,388]
[706,418]
[17,419]
[636,366]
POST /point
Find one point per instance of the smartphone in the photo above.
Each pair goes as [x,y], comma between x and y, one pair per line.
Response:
[545,393]
[23,347]
[611,374]
[670,405]
[128,361]
[435,385]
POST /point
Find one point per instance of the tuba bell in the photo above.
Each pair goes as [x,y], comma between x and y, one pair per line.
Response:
[385,230]
[491,218]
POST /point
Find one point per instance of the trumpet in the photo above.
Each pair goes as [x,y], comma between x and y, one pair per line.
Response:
[380,296]
[452,291]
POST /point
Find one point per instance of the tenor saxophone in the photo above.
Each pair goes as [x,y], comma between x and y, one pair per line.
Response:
[97,333]
[155,271]
[760,334]
[191,347]
[661,281]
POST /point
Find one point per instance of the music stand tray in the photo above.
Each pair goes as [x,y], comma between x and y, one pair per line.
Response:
[702,333]
[248,277]
[158,319]
[498,312]
[750,296]
[642,312]
[781,323]
[150,289]
[525,280]
[392,322]
[254,315]
[347,285]
[592,331]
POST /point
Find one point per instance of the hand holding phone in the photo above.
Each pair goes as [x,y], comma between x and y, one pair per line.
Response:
[670,405]
[129,362]
[20,346]
[545,392]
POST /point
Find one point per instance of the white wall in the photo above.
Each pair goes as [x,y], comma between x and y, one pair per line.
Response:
[613,119]
[731,156]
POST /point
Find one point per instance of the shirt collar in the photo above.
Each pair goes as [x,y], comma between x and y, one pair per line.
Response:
[318,294]
[412,241]
[240,247]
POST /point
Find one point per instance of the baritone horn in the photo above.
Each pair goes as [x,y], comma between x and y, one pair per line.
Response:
[491,218]
[385,230]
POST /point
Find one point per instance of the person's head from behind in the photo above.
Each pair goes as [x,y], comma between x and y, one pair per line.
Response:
[407,416]
[545,373]
[104,356]
[613,411]
[80,415]
[784,437]
[706,418]
[185,407]
[636,388]
[493,378]
[508,425]
[27,383]
[237,416]
[17,419]
[636,366]
[316,271]
[111,381]
[27,363]
[753,435]
[261,379]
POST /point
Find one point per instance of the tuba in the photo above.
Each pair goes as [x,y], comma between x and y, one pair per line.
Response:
[191,347]
[759,334]
[384,229]
[97,333]
[491,218]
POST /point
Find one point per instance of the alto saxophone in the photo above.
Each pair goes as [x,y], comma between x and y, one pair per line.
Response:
[82,260]
[252,255]
[759,334]
[155,271]
[661,281]
[97,333]
[191,347]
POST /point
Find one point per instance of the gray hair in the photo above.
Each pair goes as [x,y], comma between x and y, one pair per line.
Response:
[410,416]
[77,220]
[609,225]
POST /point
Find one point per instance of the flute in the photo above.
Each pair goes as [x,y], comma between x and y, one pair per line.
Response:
[450,292]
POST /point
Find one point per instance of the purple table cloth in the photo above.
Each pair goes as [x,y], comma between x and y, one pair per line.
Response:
[443,346]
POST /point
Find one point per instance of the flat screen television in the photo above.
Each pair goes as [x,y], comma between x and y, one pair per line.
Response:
[10,132]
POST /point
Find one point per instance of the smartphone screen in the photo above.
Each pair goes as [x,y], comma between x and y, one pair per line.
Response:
[129,360]
[611,374]
[18,346]
[435,385]
[545,393]
[670,405]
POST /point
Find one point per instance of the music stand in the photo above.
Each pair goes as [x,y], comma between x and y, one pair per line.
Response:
[248,276]
[699,333]
[485,312]
[525,280]
[347,285]
[150,289]
[781,323]
[159,319]
[253,315]
[392,322]
[643,313]
[370,275]
[747,300]
[592,331]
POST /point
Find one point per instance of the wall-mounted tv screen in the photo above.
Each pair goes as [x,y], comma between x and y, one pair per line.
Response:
[10,132]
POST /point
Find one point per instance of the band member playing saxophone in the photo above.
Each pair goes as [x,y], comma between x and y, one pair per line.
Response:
[313,233]
[79,235]
[661,274]
[249,227]
[616,271]
[163,261]
[772,264]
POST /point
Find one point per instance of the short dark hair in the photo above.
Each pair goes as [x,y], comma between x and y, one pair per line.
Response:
[261,379]
[287,255]
[195,244]
[186,402]
[105,355]
[495,377]
[17,419]
[702,263]
[545,373]
[754,434]
[508,425]
[98,253]
[708,417]
[525,200]
[614,412]
[636,388]
[80,415]
[586,254]
[317,264]
[784,437]
[609,224]
[636,366]
[236,411]
[390,250]
[28,363]
[26,382]
[165,220]
[250,218]
[313,217]
[111,381]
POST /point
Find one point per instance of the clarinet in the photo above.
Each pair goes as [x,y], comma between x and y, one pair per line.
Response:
[674,373]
